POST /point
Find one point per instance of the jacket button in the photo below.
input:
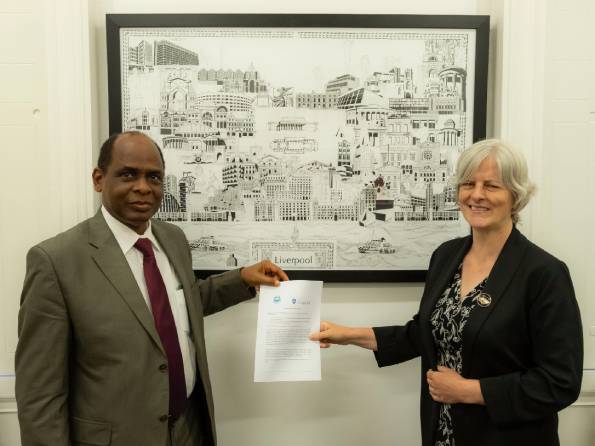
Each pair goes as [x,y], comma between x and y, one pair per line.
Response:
[163,367]
[163,418]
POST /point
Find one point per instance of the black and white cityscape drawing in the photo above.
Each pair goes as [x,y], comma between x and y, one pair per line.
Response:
[315,148]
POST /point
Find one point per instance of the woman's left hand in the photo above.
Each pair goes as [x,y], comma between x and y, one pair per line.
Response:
[447,386]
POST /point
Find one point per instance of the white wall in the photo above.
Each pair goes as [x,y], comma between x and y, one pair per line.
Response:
[538,100]
[45,128]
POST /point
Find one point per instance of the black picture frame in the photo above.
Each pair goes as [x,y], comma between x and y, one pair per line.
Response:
[478,62]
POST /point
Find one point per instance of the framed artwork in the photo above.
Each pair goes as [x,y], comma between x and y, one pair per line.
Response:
[325,143]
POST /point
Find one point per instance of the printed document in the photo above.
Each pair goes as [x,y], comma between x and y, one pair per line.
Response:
[286,316]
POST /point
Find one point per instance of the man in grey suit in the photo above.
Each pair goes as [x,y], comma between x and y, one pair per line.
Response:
[111,345]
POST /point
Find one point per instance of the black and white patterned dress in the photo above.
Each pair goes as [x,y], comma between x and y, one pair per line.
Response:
[448,320]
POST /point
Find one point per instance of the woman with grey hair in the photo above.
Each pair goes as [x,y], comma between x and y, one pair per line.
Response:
[498,327]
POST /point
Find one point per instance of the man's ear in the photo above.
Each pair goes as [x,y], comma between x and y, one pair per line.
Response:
[97,179]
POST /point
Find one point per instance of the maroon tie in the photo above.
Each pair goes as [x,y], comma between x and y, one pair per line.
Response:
[166,327]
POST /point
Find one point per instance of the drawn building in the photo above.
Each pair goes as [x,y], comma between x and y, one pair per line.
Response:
[378,78]
[171,185]
[270,165]
[367,200]
[359,97]
[175,142]
[293,124]
[294,146]
[315,100]
[183,187]
[168,53]
[169,203]
[336,211]
[231,114]
[410,106]
[238,170]
[193,136]
[453,82]
[449,135]
[343,153]
[294,210]
[274,185]
[170,209]
[231,102]
[341,84]
[438,54]
[264,210]
[141,56]
[300,187]
[403,85]
[189,181]
[143,119]
[176,100]
[398,132]
[234,81]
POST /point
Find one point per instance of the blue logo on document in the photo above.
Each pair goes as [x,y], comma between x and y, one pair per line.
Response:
[277,299]
[294,300]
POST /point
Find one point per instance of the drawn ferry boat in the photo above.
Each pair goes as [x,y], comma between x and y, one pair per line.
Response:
[380,246]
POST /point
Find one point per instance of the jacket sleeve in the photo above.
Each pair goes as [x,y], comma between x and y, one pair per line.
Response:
[555,332]
[398,344]
[42,356]
[219,291]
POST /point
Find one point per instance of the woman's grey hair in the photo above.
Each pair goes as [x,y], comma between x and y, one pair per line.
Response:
[512,166]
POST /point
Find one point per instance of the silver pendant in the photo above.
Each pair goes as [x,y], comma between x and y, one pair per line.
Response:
[484,299]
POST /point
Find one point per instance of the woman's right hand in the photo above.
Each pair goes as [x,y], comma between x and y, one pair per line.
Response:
[337,334]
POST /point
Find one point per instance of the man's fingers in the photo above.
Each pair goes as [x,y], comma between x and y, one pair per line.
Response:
[267,280]
[270,268]
[283,277]
[264,272]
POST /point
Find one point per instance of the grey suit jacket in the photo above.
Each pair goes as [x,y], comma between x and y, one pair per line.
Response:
[88,357]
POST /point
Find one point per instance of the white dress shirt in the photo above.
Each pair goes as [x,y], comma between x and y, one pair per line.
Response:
[126,238]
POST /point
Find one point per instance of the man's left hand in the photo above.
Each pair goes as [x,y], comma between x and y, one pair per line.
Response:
[263,273]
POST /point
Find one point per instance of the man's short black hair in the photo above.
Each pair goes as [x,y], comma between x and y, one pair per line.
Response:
[105,153]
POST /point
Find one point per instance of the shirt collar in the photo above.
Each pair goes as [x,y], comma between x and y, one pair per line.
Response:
[125,236]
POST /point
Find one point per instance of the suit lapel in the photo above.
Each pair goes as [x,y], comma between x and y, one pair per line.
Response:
[500,278]
[175,255]
[446,267]
[176,249]
[111,261]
